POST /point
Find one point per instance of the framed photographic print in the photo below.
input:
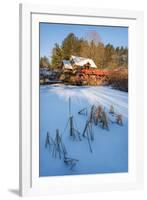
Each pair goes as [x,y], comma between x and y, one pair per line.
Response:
[81,100]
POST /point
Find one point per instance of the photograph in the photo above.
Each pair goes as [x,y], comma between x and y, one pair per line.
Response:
[83,99]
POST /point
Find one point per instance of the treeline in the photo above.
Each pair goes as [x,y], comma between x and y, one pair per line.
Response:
[104,56]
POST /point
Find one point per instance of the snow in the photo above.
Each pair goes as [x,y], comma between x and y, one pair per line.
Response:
[67,64]
[82,61]
[109,148]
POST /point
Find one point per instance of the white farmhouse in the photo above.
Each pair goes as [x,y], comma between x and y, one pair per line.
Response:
[78,62]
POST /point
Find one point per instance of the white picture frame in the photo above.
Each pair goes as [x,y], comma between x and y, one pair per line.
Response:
[30,184]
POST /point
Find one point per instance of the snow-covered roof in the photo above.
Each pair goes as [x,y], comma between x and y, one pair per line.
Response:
[82,61]
[67,64]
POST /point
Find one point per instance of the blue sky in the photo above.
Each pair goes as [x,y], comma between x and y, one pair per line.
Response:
[55,33]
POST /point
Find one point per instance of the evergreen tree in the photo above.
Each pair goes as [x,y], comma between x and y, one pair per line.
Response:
[44,62]
[109,53]
[71,45]
[57,56]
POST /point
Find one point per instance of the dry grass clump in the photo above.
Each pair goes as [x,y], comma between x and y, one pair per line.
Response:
[101,117]
[119,119]
[111,111]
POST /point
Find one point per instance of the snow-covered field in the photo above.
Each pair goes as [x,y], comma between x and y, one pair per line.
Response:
[109,148]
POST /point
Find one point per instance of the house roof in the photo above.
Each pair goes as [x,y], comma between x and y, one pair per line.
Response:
[82,61]
[79,61]
[67,64]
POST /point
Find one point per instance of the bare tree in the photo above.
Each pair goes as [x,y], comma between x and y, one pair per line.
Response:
[93,36]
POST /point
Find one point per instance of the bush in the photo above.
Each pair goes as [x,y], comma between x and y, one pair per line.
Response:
[119,79]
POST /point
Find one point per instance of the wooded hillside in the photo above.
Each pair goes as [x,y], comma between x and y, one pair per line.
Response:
[104,56]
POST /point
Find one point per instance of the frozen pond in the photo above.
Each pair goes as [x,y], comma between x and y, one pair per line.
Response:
[109,148]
